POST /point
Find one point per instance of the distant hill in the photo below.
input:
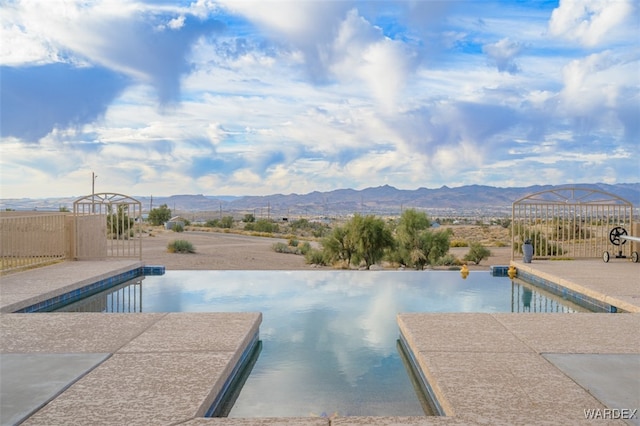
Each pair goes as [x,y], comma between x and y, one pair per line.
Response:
[463,200]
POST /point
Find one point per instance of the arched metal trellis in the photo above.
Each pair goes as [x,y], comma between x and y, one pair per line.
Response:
[570,222]
[106,225]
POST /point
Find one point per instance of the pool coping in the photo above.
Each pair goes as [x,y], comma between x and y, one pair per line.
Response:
[159,368]
[505,376]
[546,275]
[33,287]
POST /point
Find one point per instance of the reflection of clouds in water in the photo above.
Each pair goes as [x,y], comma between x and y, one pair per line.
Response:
[329,337]
[379,318]
[322,330]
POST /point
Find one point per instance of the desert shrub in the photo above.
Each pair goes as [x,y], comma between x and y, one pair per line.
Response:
[458,243]
[178,228]
[315,257]
[293,242]
[282,248]
[477,253]
[262,225]
[541,246]
[226,222]
[180,246]
[571,230]
[258,234]
[505,222]
[305,248]
[448,260]
[316,229]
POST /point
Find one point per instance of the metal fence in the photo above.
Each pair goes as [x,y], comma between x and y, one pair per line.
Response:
[571,223]
[101,226]
[29,239]
[107,225]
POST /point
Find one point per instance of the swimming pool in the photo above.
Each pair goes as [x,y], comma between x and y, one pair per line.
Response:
[329,338]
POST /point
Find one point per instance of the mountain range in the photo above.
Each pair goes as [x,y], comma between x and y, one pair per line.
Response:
[469,199]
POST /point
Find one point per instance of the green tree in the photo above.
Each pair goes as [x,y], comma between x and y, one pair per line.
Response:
[412,240]
[417,244]
[477,253]
[338,246]
[371,237]
[213,223]
[159,215]
[226,222]
[249,218]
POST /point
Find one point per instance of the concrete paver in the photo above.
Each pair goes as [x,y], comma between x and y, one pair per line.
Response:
[154,368]
[613,379]
[141,388]
[575,333]
[71,332]
[31,380]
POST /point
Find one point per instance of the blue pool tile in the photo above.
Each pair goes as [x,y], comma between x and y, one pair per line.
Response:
[90,289]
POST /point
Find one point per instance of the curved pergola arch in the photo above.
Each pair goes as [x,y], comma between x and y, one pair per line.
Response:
[574,195]
[107,198]
[569,222]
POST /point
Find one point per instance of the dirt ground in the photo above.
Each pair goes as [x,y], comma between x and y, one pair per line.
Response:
[220,251]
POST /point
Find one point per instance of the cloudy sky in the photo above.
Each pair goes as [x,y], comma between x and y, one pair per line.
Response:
[160,97]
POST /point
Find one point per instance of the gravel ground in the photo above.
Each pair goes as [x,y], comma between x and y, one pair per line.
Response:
[220,251]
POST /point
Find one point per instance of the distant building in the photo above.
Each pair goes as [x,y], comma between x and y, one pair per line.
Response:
[173,222]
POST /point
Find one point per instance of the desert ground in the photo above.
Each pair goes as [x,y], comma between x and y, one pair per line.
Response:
[226,251]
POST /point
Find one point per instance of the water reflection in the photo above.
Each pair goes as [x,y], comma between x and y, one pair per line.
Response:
[329,337]
[125,297]
[528,298]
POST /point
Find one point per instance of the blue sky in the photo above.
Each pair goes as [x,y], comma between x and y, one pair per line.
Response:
[254,98]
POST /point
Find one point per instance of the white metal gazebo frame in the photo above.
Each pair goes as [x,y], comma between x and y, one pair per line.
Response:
[569,222]
[105,226]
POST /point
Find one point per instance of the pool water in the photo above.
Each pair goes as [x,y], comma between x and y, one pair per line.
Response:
[329,338]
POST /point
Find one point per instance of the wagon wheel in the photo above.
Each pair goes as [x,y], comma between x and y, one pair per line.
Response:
[614,236]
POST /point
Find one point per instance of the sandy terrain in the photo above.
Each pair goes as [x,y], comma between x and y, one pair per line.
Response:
[220,251]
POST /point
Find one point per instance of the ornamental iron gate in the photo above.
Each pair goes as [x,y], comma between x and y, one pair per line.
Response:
[107,226]
[570,223]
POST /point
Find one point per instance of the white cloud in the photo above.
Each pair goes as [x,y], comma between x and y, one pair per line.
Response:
[591,22]
[594,84]
[296,96]
[503,54]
